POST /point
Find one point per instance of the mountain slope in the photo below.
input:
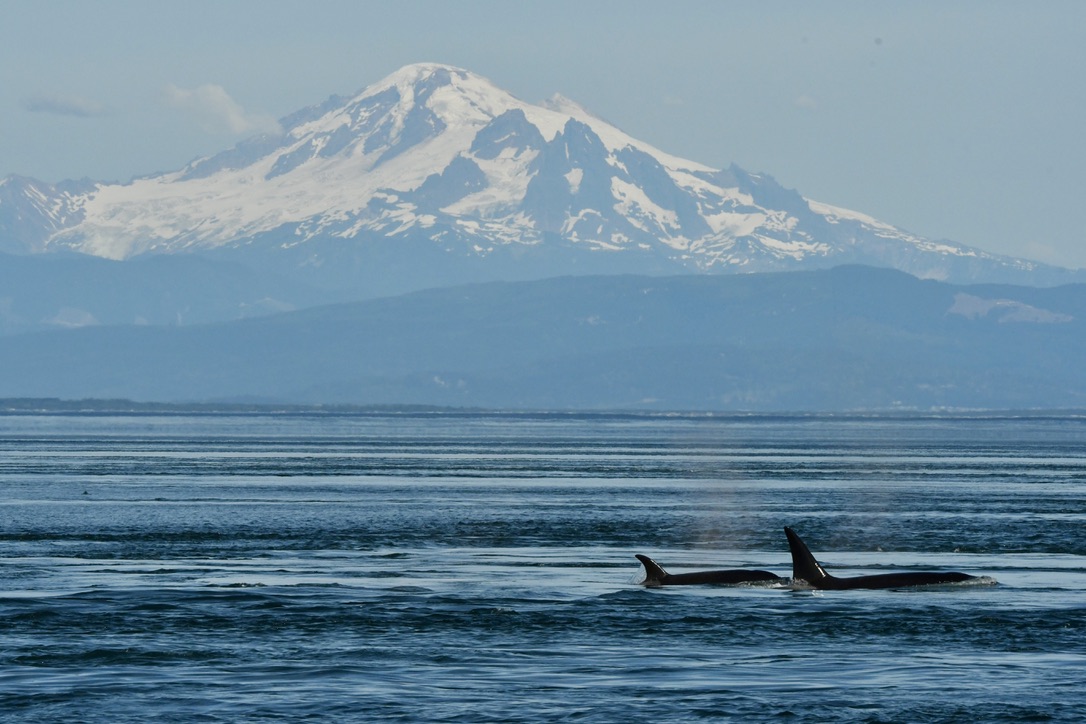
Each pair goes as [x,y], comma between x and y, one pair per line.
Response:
[848,338]
[440,175]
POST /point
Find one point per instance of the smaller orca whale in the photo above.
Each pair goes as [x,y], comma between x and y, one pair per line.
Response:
[655,575]
[806,568]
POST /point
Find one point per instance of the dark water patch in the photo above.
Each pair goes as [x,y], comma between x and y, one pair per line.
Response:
[481,569]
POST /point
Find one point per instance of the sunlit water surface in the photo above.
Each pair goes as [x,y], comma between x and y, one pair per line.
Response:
[457,567]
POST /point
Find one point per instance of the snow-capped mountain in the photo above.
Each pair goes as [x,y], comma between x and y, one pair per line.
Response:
[32,211]
[437,160]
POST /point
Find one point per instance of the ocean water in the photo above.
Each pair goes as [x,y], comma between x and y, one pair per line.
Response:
[477,568]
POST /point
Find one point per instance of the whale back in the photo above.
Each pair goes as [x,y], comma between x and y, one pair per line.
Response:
[806,568]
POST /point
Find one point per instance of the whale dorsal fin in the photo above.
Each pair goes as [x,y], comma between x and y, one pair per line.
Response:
[804,565]
[654,572]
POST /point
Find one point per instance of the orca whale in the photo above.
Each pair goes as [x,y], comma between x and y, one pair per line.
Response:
[655,575]
[806,568]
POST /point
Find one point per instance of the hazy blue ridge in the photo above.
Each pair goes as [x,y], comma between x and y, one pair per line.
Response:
[843,339]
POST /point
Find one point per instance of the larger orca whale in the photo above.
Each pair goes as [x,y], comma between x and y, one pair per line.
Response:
[655,575]
[806,568]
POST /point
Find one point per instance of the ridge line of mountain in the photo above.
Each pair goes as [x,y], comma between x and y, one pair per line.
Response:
[434,173]
[846,339]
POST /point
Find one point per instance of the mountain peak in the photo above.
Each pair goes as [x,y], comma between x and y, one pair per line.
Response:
[436,155]
[410,75]
[436,84]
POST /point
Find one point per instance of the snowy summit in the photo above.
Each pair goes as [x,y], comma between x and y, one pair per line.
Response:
[437,158]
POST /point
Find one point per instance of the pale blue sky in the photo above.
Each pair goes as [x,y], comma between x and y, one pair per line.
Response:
[957,120]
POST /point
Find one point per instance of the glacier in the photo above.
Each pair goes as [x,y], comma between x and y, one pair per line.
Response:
[437,162]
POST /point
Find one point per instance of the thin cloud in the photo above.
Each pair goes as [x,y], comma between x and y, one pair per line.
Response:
[806,102]
[76,106]
[216,111]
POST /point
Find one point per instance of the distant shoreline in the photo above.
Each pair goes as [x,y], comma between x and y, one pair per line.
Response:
[94,407]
